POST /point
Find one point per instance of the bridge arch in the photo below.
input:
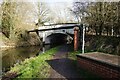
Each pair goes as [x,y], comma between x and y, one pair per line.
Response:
[57,38]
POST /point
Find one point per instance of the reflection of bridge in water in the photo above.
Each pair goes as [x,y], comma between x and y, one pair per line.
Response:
[61,30]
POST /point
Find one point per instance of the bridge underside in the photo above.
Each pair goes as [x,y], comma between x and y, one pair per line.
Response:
[56,38]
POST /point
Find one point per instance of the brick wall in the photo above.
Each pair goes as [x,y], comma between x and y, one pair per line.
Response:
[102,69]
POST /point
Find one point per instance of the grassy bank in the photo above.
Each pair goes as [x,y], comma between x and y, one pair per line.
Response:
[36,67]
[72,54]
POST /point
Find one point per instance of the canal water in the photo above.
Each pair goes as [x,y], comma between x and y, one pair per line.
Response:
[16,55]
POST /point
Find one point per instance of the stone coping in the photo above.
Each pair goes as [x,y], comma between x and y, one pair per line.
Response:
[109,59]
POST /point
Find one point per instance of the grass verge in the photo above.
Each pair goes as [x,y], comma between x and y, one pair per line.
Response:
[35,67]
[72,54]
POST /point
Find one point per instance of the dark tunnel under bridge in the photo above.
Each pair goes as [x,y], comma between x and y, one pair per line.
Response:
[58,38]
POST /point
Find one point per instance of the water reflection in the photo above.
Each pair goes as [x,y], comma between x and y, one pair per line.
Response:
[16,55]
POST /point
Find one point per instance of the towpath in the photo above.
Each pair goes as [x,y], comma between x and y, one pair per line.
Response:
[62,66]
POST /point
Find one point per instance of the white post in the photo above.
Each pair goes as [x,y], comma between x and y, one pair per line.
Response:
[83,40]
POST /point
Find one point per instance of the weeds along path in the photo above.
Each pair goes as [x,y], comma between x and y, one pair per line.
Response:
[62,66]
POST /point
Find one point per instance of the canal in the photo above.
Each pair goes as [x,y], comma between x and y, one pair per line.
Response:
[16,55]
[12,56]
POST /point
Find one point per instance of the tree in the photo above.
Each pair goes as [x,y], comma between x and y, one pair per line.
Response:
[79,10]
[62,16]
[103,17]
[41,13]
[0,17]
[16,18]
[8,9]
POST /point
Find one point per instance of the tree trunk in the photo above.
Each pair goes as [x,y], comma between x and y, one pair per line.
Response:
[100,29]
[96,31]
[107,31]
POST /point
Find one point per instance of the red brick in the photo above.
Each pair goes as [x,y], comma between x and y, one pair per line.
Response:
[99,69]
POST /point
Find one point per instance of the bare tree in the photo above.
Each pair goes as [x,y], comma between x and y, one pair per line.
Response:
[79,10]
[101,16]
[60,13]
[104,17]
[41,13]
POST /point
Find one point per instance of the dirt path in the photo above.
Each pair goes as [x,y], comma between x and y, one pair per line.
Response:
[63,67]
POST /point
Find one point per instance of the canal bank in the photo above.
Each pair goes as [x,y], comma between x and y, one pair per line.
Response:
[54,63]
[34,67]
[12,56]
